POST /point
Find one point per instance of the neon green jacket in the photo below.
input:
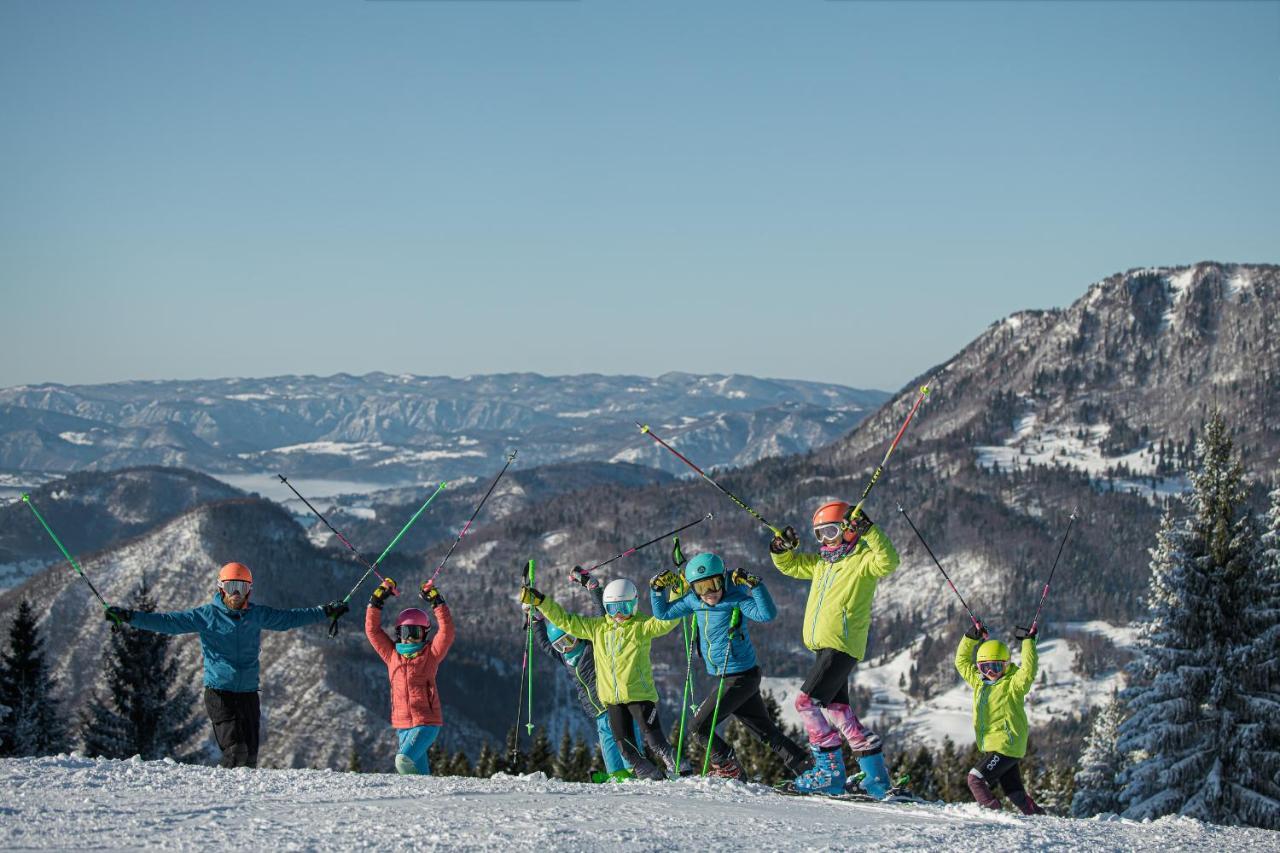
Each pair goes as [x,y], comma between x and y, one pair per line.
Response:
[623,673]
[999,718]
[838,614]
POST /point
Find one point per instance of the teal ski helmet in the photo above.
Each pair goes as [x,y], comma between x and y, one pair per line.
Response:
[560,639]
[703,566]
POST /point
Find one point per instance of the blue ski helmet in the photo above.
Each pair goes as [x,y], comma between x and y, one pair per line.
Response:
[703,566]
[554,632]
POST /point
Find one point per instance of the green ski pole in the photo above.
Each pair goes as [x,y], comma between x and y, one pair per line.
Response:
[715,713]
[333,626]
[529,654]
[26,499]
[677,557]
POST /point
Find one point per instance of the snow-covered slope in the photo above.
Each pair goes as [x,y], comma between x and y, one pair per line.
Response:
[66,802]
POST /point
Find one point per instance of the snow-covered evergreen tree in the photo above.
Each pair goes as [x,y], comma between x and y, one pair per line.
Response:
[32,723]
[1101,762]
[149,706]
[1203,722]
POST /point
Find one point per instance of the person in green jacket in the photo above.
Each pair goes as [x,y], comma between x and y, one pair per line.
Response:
[624,676]
[999,718]
[853,556]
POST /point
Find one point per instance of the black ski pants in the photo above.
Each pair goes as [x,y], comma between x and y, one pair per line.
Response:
[236,725]
[741,698]
[645,715]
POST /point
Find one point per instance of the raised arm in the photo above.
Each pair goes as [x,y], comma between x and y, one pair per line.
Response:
[1027,666]
[664,609]
[654,627]
[275,619]
[759,607]
[582,627]
[879,558]
[796,565]
[175,622]
[377,637]
[443,639]
[964,662]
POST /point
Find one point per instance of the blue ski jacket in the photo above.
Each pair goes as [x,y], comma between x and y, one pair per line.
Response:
[724,652]
[229,639]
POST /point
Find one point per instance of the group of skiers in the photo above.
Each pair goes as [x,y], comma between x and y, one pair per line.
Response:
[607,655]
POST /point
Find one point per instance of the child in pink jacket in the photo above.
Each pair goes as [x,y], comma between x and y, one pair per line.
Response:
[412,661]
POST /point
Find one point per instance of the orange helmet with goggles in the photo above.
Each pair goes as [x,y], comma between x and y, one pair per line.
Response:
[235,572]
[831,520]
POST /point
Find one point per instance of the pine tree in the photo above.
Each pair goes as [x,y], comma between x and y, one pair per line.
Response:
[149,707]
[540,755]
[460,765]
[585,760]
[487,763]
[1204,709]
[32,723]
[438,760]
[563,764]
[1097,785]
[513,760]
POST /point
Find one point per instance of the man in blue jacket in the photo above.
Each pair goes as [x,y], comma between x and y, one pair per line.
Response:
[719,604]
[230,635]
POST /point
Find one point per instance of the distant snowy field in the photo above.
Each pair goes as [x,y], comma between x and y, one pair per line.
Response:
[69,802]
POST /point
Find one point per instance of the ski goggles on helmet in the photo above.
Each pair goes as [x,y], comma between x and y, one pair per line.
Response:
[991,669]
[825,532]
[412,633]
[620,608]
[564,643]
[702,586]
[235,587]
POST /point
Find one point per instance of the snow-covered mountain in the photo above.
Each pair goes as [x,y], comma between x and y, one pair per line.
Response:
[59,802]
[383,429]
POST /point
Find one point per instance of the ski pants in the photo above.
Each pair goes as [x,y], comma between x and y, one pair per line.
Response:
[237,725]
[626,719]
[613,758]
[995,767]
[740,697]
[414,743]
[823,704]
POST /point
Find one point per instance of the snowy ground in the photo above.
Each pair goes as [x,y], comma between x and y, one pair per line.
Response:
[69,802]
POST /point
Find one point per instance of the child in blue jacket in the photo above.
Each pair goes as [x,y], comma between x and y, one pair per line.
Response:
[719,604]
[230,630]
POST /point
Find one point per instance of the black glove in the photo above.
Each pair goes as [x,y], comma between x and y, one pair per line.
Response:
[431,595]
[583,577]
[977,632]
[741,578]
[530,596]
[860,523]
[334,609]
[785,541]
[118,614]
[662,580]
[382,593]
[1025,634]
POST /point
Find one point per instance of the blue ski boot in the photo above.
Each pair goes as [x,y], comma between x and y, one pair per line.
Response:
[826,776]
[875,776]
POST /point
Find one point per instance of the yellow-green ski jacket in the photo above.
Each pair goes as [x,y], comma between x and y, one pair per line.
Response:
[999,718]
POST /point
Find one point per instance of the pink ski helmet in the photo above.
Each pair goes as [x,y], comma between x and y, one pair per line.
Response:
[413,616]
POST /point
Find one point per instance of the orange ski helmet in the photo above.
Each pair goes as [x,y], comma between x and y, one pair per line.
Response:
[235,572]
[834,512]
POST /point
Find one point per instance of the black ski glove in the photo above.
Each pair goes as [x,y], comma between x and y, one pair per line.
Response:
[530,596]
[334,609]
[785,541]
[118,614]
[431,595]
[384,591]
[860,523]
[977,632]
[742,578]
[1025,634]
[582,577]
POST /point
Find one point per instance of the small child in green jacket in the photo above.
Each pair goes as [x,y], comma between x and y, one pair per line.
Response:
[999,718]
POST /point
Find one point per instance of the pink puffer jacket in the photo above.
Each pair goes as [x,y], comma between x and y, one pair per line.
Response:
[414,700]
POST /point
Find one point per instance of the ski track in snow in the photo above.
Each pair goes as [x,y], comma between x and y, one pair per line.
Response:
[66,801]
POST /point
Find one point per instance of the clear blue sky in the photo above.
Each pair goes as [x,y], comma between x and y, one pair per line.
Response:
[839,191]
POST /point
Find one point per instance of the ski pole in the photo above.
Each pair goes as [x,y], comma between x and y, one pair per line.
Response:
[875,476]
[467,526]
[336,532]
[1072,520]
[688,680]
[26,499]
[333,626]
[644,428]
[976,624]
[632,550]
[528,652]
[715,712]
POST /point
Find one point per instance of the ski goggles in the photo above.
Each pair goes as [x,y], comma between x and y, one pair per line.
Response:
[991,669]
[412,633]
[825,532]
[620,608]
[702,586]
[564,643]
[235,587]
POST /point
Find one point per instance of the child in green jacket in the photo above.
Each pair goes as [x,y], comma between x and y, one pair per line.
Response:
[624,677]
[999,718]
